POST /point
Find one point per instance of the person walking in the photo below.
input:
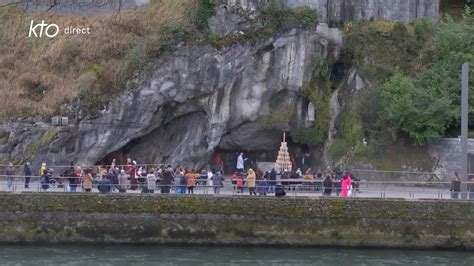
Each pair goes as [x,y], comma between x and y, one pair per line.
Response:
[217,183]
[327,184]
[251,178]
[9,173]
[28,173]
[455,186]
[87,180]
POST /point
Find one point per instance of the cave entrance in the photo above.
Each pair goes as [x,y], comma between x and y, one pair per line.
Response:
[120,156]
[300,154]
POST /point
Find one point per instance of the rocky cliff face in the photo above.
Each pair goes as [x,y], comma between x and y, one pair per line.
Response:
[194,101]
[201,98]
[338,11]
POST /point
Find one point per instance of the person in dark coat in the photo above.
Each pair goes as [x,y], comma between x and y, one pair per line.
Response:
[455,186]
[272,176]
[112,178]
[167,180]
[45,179]
[217,182]
[327,184]
[104,185]
[28,174]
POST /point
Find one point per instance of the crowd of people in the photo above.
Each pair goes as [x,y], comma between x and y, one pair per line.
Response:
[166,179]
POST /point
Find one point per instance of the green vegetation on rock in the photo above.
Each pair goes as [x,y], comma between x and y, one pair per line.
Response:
[275,17]
[415,68]
[277,119]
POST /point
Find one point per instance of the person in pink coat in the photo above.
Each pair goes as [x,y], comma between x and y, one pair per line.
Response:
[346,185]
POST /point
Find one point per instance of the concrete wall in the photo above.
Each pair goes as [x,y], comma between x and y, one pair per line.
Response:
[115,218]
[448,151]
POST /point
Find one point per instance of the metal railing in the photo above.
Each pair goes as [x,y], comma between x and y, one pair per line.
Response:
[292,187]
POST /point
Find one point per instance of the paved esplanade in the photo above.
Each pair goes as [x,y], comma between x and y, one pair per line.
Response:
[366,190]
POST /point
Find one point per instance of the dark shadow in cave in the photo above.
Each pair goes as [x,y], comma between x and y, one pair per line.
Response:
[229,156]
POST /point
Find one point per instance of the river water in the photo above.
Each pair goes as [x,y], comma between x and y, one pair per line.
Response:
[193,255]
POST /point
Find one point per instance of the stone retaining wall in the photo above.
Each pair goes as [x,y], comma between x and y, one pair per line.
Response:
[115,218]
[448,152]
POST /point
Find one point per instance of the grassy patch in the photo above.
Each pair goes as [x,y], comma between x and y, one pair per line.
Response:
[39,74]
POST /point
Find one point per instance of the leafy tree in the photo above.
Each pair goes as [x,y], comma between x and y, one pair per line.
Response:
[424,105]
[417,111]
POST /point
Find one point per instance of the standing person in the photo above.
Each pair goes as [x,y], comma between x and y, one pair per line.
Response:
[327,184]
[218,164]
[240,183]
[217,183]
[166,181]
[240,163]
[191,181]
[345,186]
[123,181]
[151,181]
[262,186]
[113,165]
[72,181]
[208,181]
[132,171]
[233,180]
[42,170]
[455,186]
[9,173]
[45,179]
[470,187]
[182,182]
[87,181]
[272,180]
[28,174]
[349,182]
[177,180]
[104,183]
[251,178]
[112,178]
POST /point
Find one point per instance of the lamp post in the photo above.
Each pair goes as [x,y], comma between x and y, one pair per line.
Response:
[464,126]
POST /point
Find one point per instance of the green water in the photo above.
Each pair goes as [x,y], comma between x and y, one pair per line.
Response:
[192,255]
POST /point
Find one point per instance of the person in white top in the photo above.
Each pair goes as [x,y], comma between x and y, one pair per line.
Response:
[208,181]
[240,163]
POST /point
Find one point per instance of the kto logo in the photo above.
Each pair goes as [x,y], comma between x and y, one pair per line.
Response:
[49,30]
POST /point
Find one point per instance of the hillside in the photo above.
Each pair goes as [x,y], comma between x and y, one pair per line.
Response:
[176,81]
[50,76]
